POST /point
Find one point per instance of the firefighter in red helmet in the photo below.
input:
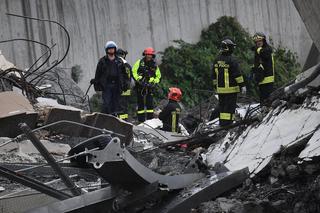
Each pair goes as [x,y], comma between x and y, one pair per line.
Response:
[170,114]
[147,75]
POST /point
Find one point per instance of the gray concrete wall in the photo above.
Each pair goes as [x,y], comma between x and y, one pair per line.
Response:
[135,24]
[309,11]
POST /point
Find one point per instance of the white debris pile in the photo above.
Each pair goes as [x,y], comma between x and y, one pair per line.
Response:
[256,145]
[4,64]
[157,124]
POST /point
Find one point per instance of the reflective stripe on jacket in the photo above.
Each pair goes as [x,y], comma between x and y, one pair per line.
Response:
[226,76]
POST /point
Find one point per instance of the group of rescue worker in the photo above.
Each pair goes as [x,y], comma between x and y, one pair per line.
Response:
[115,79]
[228,80]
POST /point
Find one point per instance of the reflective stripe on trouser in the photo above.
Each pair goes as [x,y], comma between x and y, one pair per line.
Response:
[123,106]
[267,80]
[145,105]
[227,106]
[174,122]
[123,116]
[226,116]
[126,93]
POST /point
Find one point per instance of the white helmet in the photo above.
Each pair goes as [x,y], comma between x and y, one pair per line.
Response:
[110,44]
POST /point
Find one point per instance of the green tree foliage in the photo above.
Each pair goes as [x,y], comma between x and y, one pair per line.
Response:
[96,103]
[188,66]
[76,73]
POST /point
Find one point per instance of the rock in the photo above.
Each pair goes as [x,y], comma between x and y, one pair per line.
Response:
[154,163]
[221,205]
[247,184]
[292,171]
[311,168]
[2,189]
[252,207]
[299,208]
[273,180]
[220,168]
[279,205]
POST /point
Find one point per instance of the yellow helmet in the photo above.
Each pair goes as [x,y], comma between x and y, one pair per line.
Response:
[259,36]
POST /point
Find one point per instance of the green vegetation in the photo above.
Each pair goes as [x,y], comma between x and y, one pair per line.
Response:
[188,66]
[96,103]
[76,73]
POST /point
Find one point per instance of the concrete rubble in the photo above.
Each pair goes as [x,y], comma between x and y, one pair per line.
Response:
[55,156]
[15,108]
[277,160]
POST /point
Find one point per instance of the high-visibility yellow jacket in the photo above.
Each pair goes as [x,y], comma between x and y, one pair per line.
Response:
[148,72]
[226,75]
[264,62]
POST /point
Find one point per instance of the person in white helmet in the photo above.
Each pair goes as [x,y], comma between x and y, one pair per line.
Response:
[109,79]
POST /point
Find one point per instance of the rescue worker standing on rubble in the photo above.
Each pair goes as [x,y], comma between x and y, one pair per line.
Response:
[227,80]
[127,76]
[147,75]
[170,113]
[109,79]
[263,69]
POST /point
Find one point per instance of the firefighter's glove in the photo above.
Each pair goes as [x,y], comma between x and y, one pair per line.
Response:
[93,81]
[151,80]
[243,90]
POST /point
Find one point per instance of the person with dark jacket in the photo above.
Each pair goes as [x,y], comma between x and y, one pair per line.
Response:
[127,77]
[263,68]
[170,113]
[147,75]
[109,79]
[227,80]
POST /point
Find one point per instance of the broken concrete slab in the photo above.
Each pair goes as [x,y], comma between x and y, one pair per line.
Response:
[107,122]
[27,147]
[204,190]
[307,73]
[12,103]
[8,147]
[257,144]
[9,125]
[58,114]
[312,148]
[15,108]
[23,201]
[52,103]
[98,201]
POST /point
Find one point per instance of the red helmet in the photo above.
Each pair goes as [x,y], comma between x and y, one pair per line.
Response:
[149,51]
[174,94]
